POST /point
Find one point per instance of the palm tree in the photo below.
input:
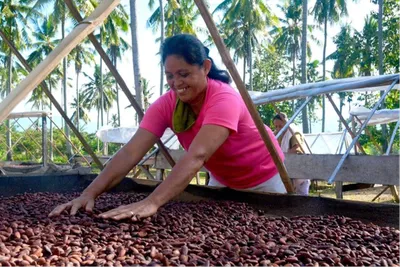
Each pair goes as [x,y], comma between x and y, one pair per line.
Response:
[179,16]
[304,60]
[45,41]
[172,18]
[13,25]
[367,44]
[147,94]
[248,18]
[162,33]
[110,34]
[327,11]
[80,56]
[380,64]
[288,36]
[345,59]
[60,11]
[116,51]
[98,89]
[135,53]
[80,111]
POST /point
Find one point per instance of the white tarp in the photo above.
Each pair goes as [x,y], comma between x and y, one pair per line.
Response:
[328,143]
[371,83]
[122,135]
[382,116]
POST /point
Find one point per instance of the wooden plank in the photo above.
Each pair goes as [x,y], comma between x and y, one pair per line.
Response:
[226,58]
[37,75]
[360,168]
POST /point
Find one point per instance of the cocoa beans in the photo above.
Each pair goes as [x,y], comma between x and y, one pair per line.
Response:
[190,234]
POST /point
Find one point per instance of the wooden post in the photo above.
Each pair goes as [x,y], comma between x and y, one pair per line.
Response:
[55,103]
[243,92]
[344,122]
[44,140]
[75,13]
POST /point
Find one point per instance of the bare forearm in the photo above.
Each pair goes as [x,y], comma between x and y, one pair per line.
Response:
[178,179]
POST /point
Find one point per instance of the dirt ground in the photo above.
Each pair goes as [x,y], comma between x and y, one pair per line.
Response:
[366,195]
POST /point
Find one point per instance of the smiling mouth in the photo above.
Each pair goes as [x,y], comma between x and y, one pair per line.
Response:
[181,90]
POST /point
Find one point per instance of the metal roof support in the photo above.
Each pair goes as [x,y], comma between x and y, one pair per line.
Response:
[332,177]
[293,117]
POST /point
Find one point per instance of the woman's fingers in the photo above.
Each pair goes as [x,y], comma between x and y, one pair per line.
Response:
[113,212]
[123,215]
[60,208]
[89,206]
[75,207]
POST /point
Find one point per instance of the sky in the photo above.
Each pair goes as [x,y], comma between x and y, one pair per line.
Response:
[149,60]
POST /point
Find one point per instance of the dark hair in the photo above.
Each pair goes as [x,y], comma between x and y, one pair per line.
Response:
[280,116]
[194,53]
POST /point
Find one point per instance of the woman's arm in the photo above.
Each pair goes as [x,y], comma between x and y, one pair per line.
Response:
[113,173]
[207,141]
[122,162]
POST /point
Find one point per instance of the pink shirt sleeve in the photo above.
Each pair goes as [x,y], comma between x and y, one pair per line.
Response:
[224,110]
[155,119]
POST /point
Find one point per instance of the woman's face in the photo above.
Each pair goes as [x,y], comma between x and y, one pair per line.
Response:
[188,81]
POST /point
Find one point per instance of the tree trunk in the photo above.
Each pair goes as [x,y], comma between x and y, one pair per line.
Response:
[304,62]
[51,124]
[77,100]
[250,50]
[324,69]
[294,73]
[161,43]
[117,90]
[244,70]
[381,71]
[64,82]
[101,83]
[294,65]
[340,111]
[9,83]
[135,54]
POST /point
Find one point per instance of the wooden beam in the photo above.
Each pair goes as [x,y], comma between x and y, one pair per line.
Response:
[55,103]
[41,71]
[75,13]
[357,168]
[226,58]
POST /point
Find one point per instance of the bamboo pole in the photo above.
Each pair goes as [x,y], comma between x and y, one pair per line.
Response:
[75,13]
[37,75]
[55,103]
[243,92]
[345,123]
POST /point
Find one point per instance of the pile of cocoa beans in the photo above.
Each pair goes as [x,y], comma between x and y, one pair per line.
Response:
[185,234]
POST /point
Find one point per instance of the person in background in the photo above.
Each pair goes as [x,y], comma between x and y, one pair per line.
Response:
[292,143]
[212,124]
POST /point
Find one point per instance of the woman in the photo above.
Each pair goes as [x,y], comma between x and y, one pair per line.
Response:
[211,122]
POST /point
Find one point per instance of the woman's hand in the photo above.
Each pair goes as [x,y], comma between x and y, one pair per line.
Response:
[141,209]
[85,201]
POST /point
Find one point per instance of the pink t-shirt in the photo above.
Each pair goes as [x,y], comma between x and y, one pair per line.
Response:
[242,161]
